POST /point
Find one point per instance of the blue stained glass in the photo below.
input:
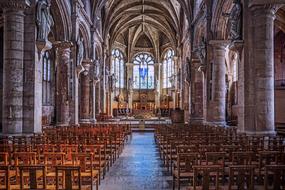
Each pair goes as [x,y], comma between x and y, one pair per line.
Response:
[168,68]
[118,68]
[143,72]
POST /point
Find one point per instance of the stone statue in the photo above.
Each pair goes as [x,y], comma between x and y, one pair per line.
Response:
[201,52]
[97,70]
[188,69]
[80,51]
[113,81]
[44,20]
[107,75]
[131,84]
[235,20]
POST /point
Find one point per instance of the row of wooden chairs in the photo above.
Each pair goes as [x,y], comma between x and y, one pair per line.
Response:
[187,151]
[47,161]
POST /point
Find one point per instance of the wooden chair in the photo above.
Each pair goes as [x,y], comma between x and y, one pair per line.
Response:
[241,177]
[206,177]
[99,162]
[51,159]
[68,150]
[22,159]
[89,174]
[274,177]
[266,158]
[4,177]
[242,158]
[4,158]
[36,177]
[218,159]
[69,176]
[25,158]
[184,167]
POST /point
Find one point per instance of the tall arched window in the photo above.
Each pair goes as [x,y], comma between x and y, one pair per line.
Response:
[118,68]
[47,69]
[143,71]
[168,68]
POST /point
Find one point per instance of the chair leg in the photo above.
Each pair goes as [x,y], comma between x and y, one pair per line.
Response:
[97,184]
[173,183]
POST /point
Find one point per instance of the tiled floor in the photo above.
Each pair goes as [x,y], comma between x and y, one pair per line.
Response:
[138,168]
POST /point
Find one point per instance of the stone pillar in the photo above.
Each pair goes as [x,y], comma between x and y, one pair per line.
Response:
[217,105]
[62,82]
[238,48]
[263,60]
[158,87]
[196,90]
[94,96]
[103,84]
[85,93]
[13,65]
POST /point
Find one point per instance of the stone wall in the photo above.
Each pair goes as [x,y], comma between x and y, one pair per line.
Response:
[1,74]
[279,106]
[279,57]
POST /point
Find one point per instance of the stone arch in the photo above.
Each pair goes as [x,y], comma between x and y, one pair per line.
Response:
[83,31]
[63,24]
[165,51]
[220,24]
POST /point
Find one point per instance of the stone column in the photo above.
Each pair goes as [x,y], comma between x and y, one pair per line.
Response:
[103,86]
[238,48]
[158,87]
[85,92]
[94,96]
[13,65]
[263,60]
[196,90]
[217,105]
[62,81]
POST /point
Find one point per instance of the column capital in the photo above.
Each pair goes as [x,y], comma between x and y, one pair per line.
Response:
[236,46]
[63,45]
[15,4]
[78,3]
[86,63]
[264,9]
[221,44]
[266,2]
[129,64]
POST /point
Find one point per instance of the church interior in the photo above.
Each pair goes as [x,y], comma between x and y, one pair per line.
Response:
[142,94]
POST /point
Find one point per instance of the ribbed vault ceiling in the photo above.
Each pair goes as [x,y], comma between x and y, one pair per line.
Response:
[280,19]
[166,16]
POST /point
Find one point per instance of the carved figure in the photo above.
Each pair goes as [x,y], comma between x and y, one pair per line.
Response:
[44,20]
[80,52]
[235,20]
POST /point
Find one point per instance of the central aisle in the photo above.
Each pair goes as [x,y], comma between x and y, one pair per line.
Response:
[138,167]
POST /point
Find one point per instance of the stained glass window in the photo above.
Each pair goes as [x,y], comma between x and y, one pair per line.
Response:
[143,72]
[118,68]
[168,68]
[47,87]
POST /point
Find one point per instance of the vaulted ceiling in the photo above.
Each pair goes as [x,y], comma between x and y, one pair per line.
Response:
[280,19]
[168,17]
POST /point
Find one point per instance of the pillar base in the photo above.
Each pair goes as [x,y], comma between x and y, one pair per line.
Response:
[261,133]
[197,121]
[62,124]
[217,123]
[85,121]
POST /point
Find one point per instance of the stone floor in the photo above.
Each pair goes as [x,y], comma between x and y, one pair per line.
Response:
[138,168]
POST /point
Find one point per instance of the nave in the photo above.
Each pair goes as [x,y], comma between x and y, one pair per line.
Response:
[139,167]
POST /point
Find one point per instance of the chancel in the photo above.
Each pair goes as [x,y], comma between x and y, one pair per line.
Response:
[142,94]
